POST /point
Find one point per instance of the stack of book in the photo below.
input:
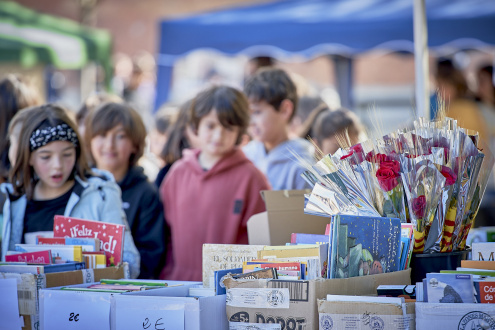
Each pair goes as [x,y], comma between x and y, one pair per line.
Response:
[76,244]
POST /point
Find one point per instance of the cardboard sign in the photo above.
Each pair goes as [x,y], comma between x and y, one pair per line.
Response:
[9,305]
[74,310]
[160,313]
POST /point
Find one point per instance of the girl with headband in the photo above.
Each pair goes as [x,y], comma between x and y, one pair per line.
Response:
[51,177]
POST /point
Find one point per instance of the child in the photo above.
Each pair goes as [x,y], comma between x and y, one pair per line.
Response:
[116,136]
[272,101]
[211,192]
[50,177]
[325,127]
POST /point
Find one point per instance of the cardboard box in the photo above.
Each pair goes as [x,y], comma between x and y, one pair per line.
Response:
[29,285]
[365,315]
[171,306]
[303,311]
[455,316]
[284,215]
[168,306]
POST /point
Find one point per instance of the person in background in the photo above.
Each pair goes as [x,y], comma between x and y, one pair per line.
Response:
[272,101]
[15,94]
[453,91]
[51,177]
[115,134]
[326,127]
[180,137]
[91,103]
[211,192]
[305,107]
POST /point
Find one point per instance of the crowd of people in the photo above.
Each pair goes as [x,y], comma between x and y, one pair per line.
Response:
[216,152]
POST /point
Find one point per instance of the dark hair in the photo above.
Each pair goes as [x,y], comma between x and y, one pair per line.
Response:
[448,73]
[177,139]
[109,115]
[324,123]
[92,102]
[231,106]
[163,121]
[22,174]
[15,95]
[272,86]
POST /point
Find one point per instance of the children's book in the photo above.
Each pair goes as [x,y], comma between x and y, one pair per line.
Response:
[219,276]
[405,243]
[111,235]
[50,240]
[60,253]
[364,246]
[37,257]
[450,288]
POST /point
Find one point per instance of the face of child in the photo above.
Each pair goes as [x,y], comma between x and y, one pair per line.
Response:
[112,151]
[329,145]
[266,125]
[216,140]
[53,163]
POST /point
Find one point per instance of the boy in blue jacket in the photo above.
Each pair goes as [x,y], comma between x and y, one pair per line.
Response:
[272,101]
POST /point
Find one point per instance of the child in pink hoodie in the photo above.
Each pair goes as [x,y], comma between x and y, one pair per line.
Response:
[210,193]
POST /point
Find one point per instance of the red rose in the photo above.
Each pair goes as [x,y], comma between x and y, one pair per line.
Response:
[392,164]
[357,148]
[375,158]
[450,176]
[419,206]
[387,178]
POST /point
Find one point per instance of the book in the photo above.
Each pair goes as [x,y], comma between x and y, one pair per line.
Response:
[476,264]
[406,244]
[42,269]
[220,275]
[60,253]
[225,256]
[406,291]
[88,244]
[301,238]
[36,257]
[111,235]
[485,291]
[483,251]
[97,260]
[50,241]
[450,288]
[363,246]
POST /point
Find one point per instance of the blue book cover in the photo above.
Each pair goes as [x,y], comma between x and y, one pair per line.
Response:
[95,243]
[450,288]
[219,275]
[301,238]
[65,267]
[364,246]
[405,242]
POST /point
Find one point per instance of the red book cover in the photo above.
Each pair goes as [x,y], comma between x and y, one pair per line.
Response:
[50,241]
[39,257]
[485,291]
[111,235]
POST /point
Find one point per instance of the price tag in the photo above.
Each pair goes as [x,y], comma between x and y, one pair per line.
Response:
[9,305]
[75,310]
[130,312]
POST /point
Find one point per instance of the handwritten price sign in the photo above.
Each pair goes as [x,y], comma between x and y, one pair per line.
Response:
[130,312]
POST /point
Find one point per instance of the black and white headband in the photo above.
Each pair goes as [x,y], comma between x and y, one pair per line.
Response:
[45,133]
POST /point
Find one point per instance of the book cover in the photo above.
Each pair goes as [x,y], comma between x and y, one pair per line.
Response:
[60,253]
[22,269]
[111,235]
[301,238]
[477,264]
[88,244]
[364,246]
[450,288]
[405,241]
[225,256]
[485,291]
[37,257]
[483,251]
[220,275]
[50,240]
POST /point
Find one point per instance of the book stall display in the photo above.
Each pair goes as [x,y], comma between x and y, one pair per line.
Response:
[341,255]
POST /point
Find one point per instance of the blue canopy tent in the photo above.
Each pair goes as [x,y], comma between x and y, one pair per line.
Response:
[312,28]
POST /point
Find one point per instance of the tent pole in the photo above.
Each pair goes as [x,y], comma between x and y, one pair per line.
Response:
[421,59]
[344,79]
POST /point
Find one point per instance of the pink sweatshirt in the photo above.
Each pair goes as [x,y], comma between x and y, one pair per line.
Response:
[208,207]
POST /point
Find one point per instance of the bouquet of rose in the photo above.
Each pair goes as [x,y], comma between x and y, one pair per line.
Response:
[433,176]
